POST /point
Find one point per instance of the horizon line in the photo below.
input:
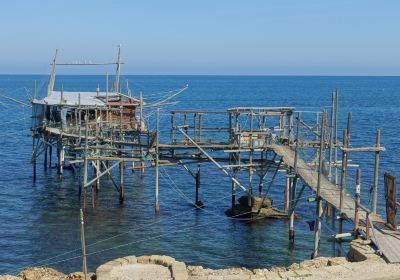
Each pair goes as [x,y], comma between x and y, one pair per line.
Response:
[213,75]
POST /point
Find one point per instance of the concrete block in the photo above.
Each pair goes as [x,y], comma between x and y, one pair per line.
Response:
[131,259]
[179,272]
[143,259]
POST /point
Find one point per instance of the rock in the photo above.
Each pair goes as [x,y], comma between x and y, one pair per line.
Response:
[315,263]
[255,201]
[9,277]
[294,266]
[361,251]
[336,261]
[41,273]
[278,269]
[79,276]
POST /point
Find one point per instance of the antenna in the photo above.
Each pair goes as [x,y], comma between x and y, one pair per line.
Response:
[117,71]
[50,87]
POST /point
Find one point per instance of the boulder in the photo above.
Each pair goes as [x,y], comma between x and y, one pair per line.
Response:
[255,202]
[41,273]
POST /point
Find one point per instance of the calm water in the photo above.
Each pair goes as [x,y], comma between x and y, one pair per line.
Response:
[40,221]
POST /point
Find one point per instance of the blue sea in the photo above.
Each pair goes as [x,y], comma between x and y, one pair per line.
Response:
[40,220]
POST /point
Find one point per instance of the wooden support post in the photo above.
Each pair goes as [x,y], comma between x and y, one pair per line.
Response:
[173,129]
[343,179]
[85,160]
[357,201]
[157,205]
[83,246]
[251,160]
[376,172]
[50,154]
[121,182]
[233,188]
[294,180]
[92,191]
[60,157]
[286,194]
[45,156]
[318,219]
[335,157]
[84,197]
[141,168]
[200,126]
[195,126]
[345,157]
[367,227]
[331,132]
[328,208]
[198,181]
[33,158]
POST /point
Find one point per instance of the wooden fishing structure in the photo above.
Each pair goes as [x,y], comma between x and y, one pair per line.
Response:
[105,130]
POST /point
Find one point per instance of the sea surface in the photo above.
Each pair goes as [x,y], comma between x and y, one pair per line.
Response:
[40,220]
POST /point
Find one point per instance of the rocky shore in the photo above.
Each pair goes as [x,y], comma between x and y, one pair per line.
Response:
[362,262]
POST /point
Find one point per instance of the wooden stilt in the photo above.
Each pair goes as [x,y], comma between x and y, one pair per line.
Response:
[286,195]
[233,190]
[327,211]
[60,157]
[376,172]
[92,190]
[198,181]
[357,201]
[45,156]
[294,180]
[84,197]
[156,204]
[318,219]
[50,154]
[121,181]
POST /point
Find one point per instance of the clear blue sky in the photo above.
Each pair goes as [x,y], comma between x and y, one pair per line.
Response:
[298,37]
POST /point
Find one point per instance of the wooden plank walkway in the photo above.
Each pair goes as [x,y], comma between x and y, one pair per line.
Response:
[387,241]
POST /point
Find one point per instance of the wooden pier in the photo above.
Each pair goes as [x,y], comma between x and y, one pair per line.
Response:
[97,132]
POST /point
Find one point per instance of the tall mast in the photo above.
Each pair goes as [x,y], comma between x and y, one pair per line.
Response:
[117,72]
[50,86]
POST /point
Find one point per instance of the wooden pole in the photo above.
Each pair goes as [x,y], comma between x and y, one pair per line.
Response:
[50,154]
[121,181]
[33,156]
[85,159]
[157,205]
[198,202]
[294,180]
[92,191]
[200,126]
[331,127]
[60,155]
[336,136]
[194,126]
[45,156]
[376,172]
[343,179]
[345,157]
[286,194]
[317,235]
[83,246]
[107,87]
[357,201]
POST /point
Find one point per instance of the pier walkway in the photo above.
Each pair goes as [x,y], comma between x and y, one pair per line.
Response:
[387,241]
